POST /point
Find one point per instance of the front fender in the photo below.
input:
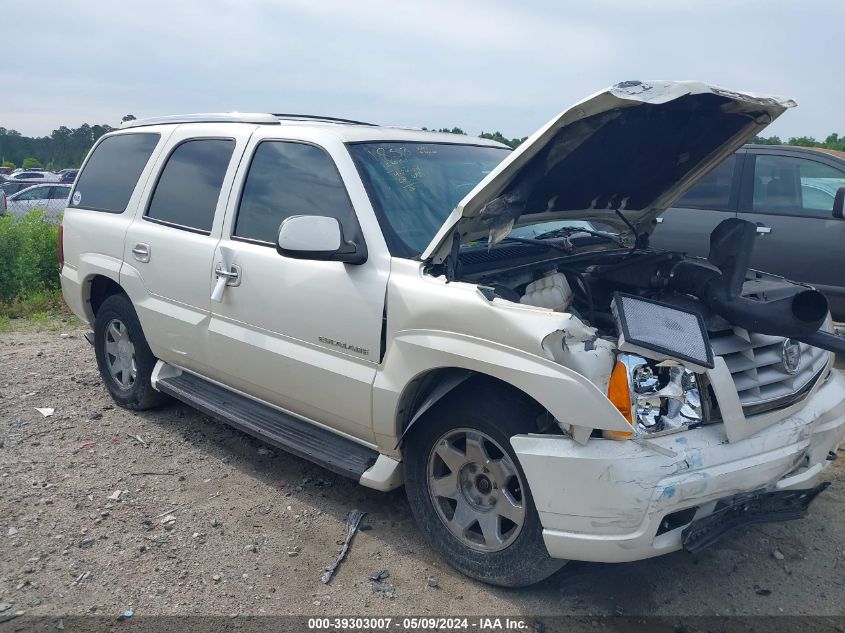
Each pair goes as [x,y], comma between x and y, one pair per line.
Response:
[567,395]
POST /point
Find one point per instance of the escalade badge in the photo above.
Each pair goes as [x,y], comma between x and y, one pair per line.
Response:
[790,356]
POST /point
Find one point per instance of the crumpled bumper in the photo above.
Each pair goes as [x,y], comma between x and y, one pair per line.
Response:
[612,501]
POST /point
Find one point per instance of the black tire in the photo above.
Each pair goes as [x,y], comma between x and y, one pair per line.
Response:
[139,395]
[499,414]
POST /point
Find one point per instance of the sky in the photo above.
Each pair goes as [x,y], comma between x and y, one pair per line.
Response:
[481,66]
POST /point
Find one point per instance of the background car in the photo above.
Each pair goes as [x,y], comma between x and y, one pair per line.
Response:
[789,193]
[35,174]
[51,198]
[68,175]
[11,187]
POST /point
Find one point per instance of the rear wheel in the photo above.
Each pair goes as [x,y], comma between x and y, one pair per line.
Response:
[123,356]
[469,495]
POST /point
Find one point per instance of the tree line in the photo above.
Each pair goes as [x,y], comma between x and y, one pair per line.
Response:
[833,141]
[493,136]
[67,147]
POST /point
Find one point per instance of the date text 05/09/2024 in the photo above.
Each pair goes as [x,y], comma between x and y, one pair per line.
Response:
[420,623]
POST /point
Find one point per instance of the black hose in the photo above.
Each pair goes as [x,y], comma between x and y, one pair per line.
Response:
[591,311]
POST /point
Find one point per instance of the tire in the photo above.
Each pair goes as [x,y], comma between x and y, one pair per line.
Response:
[517,556]
[123,356]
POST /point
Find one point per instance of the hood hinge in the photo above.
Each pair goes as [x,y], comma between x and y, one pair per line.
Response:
[451,265]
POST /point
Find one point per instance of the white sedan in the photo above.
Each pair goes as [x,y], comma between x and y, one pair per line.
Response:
[52,198]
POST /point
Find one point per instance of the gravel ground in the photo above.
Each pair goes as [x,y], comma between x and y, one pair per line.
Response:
[170,513]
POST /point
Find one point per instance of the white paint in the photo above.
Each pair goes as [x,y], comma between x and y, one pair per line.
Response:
[605,501]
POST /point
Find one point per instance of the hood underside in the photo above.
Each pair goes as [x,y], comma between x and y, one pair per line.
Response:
[635,147]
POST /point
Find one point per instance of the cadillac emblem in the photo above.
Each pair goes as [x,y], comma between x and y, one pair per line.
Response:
[790,356]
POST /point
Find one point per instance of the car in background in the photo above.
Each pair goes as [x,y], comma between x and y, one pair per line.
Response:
[791,194]
[11,187]
[52,198]
[36,175]
[68,175]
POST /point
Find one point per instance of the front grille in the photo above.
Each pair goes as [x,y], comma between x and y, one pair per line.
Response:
[756,364]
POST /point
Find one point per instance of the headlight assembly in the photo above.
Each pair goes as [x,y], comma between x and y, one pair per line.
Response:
[664,397]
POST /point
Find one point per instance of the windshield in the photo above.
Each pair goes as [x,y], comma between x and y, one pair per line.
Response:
[414,186]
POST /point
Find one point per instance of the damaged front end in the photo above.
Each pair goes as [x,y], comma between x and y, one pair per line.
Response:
[676,343]
[563,224]
[720,378]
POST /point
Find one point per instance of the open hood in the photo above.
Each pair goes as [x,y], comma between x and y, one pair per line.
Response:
[635,147]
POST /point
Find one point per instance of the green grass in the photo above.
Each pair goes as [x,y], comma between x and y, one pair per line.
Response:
[37,311]
[30,293]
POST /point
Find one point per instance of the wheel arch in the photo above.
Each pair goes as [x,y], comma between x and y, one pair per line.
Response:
[437,386]
[100,288]
[418,359]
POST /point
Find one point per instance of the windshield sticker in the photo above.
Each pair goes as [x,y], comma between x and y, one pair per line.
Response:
[400,163]
[77,198]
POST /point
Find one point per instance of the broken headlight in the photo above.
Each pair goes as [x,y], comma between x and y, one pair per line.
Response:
[665,396]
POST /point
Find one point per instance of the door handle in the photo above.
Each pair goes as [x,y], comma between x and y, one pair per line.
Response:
[233,275]
[141,252]
[763,230]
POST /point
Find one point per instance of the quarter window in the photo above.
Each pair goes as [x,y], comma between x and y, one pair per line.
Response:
[112,171]
[714,190]
[286,179]
[189,186]
[786,185]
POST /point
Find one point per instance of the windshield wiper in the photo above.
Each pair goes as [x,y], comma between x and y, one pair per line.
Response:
[567,231]
[564,244]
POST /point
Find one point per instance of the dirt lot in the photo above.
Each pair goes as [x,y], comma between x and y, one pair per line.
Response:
[254,527]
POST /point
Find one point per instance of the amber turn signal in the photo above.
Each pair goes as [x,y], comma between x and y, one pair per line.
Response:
[619,393]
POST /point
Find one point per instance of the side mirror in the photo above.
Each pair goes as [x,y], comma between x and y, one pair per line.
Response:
[318,238]
[839,204]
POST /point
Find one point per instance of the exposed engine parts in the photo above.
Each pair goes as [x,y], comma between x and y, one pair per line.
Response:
[551,291]
[721,284]
[721,290]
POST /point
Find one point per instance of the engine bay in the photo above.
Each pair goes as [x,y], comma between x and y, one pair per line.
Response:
[675,298]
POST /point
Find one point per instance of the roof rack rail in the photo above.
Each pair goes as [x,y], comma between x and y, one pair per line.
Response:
[207,117]
[236,117]
[316,117]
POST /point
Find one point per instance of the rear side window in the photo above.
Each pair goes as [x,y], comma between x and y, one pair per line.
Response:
[288,179]
[714,190]
[59,193]
[112,171]
[189,186]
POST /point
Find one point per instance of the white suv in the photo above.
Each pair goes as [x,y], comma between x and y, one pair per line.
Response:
[488,328]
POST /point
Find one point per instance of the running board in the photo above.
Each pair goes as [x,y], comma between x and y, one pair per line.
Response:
[329,450]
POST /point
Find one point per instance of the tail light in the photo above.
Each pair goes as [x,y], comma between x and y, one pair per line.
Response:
[61,246]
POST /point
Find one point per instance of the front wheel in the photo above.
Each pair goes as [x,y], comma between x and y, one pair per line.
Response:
[469,495]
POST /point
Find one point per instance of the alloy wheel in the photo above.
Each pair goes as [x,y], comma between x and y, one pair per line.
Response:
[120,354]
[476,490]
